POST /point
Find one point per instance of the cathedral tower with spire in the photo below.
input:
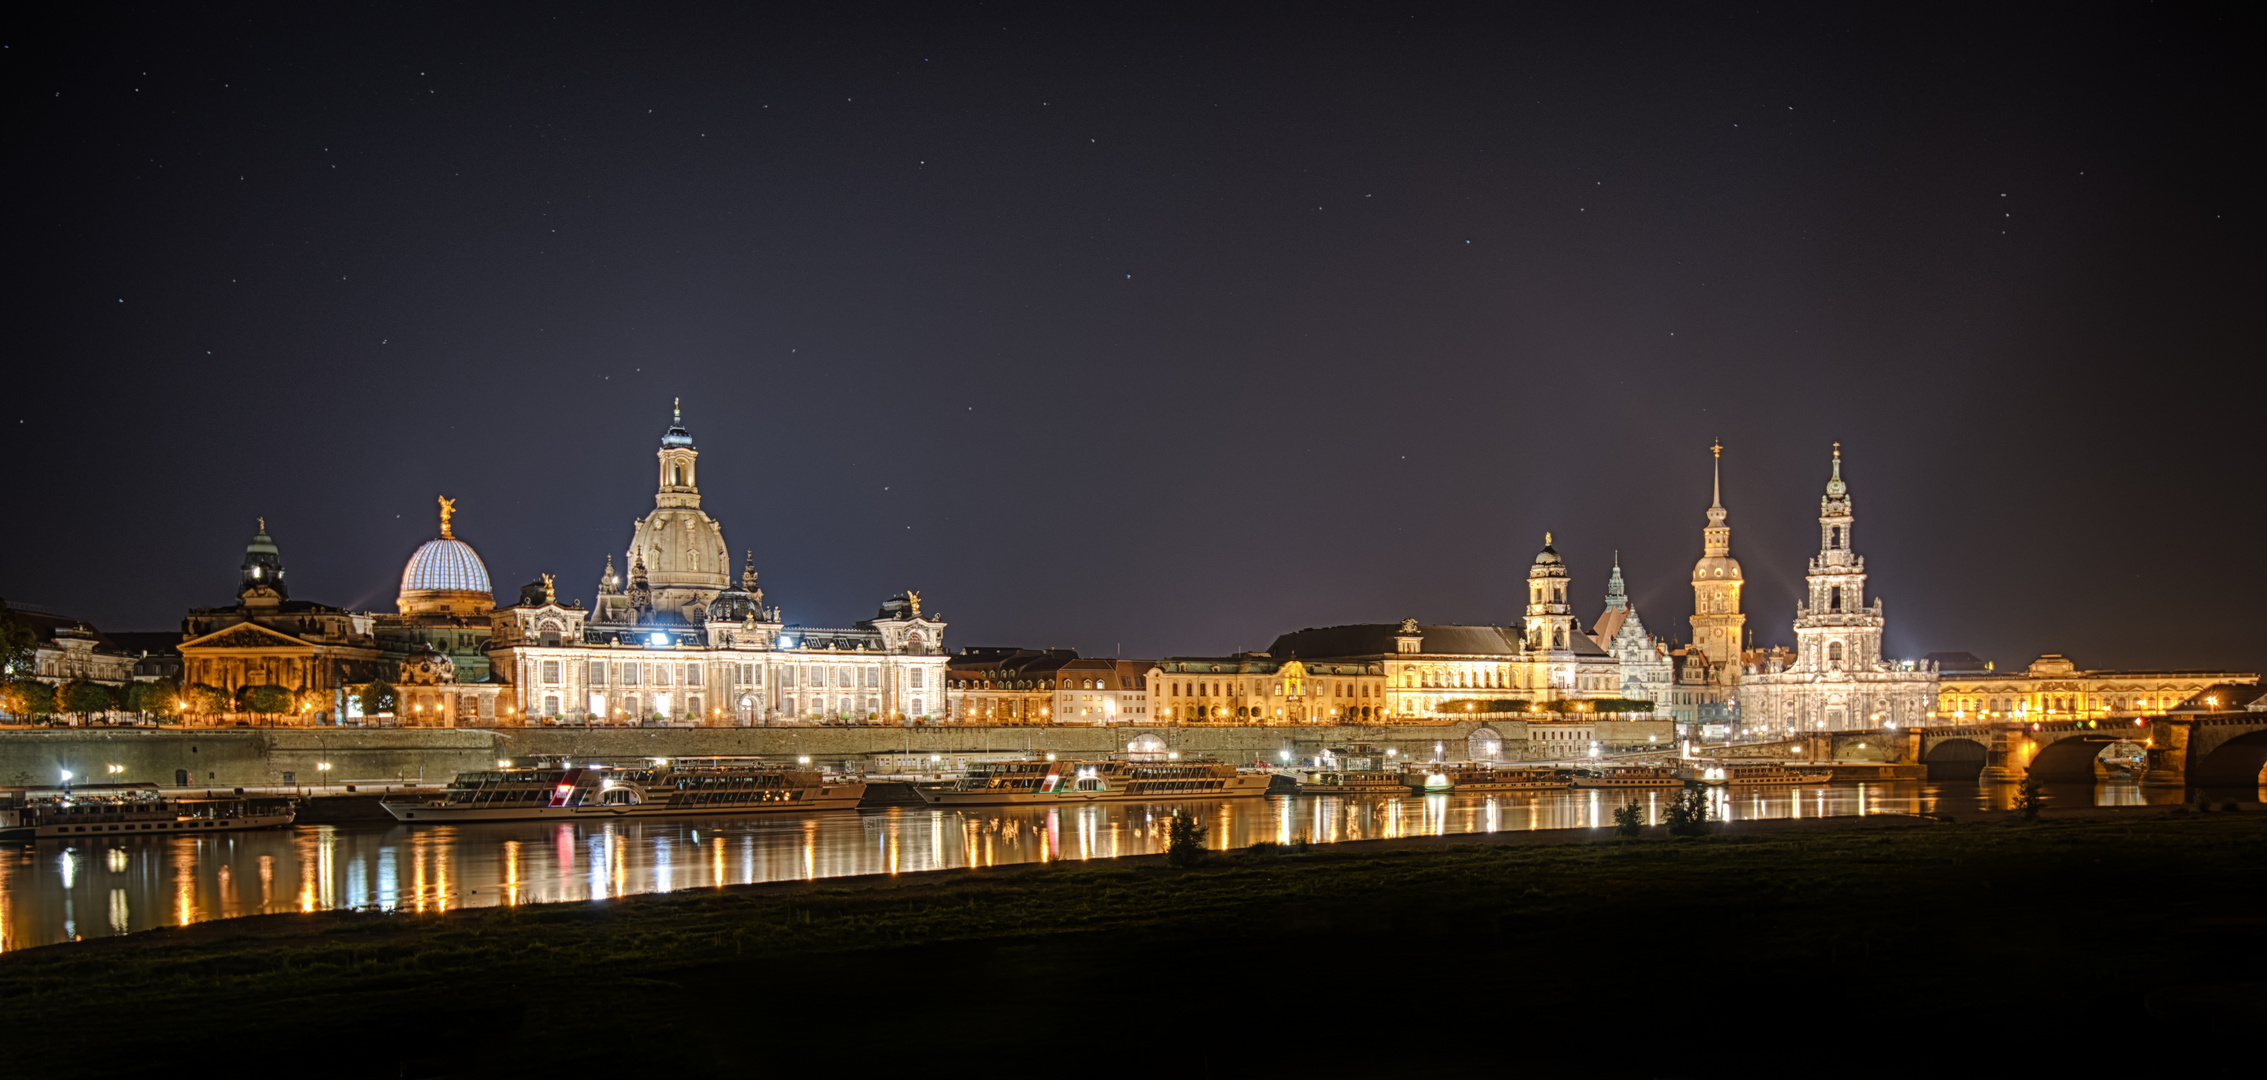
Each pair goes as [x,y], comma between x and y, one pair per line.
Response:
[1838,680]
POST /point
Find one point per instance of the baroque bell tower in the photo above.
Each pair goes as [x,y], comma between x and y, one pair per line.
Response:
[1717,624]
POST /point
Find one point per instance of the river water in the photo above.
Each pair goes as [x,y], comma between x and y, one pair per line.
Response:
[60,890]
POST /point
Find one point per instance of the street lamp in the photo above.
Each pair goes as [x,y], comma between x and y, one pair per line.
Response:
[324,767]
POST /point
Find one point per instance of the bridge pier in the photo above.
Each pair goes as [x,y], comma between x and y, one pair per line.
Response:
[2003,759]
[2168,754]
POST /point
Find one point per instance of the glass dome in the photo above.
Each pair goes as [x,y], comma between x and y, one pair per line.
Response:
[445,566]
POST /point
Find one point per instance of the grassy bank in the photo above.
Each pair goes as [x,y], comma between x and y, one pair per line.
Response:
[1619,956]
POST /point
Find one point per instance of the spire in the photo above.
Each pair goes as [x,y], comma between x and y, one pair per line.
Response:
[1716,511]
[1836,487]
[1617,595]
[748,572]
[677,435]
[609,582]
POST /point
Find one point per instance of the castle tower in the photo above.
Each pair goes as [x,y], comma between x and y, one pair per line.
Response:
[1718,627]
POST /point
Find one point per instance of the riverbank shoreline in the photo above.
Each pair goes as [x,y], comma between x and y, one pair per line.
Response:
[1564,925]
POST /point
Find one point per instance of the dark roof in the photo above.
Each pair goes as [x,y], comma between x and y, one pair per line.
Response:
[2227,697]
[153,642]
[1376,639]
[1958,663]
[46,625]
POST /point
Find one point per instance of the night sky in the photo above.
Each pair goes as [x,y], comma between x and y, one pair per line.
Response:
[1159,332]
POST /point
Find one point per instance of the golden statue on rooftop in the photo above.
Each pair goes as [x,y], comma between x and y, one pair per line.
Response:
[914,599]
[448,507]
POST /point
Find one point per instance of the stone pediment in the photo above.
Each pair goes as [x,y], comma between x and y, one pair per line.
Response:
[246,636]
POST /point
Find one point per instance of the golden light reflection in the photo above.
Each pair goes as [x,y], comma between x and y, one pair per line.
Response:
[511,872]
[185,884]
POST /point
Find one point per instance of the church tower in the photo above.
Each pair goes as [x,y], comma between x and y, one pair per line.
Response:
[1717,624]
[1834,629]
[1551,624]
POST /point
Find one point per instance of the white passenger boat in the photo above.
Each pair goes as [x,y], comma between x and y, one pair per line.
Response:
[1627,776]
[112,810]
[1756,775]
[1043,783]
[1328,781]
[661,788]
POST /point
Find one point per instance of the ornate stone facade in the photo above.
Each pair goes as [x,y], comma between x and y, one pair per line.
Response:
[1838,680]
[679,643]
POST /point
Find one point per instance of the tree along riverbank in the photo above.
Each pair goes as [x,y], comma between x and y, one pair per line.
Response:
[1853,945]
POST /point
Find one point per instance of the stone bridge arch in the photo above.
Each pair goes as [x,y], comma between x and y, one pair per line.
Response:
[2238,762]
[1956,758]
[2071,759]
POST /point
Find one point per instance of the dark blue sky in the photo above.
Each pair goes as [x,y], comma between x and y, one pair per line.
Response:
[1174,331]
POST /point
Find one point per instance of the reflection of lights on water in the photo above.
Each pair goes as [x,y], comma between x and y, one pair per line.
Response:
[505,864]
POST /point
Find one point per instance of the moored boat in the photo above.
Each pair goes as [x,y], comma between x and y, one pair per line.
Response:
[1480,779]
[35,813]
[1756,775]
[1626,776]
[659,788]
[1327,781]
[1027,783]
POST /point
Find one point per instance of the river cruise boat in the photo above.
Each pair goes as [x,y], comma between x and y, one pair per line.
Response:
[1627,776]
[1772,775]
[1046,783]
[33,813]
[1328,781]
[658,788]
[1471,779]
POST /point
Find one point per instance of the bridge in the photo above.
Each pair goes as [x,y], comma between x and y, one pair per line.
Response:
[2191,749]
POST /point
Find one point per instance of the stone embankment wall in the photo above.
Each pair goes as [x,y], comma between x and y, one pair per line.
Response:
[268,756]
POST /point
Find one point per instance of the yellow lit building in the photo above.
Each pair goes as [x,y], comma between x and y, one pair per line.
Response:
[2053,688]
[1256,688]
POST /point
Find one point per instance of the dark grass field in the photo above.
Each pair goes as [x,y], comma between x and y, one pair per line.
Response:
[2133,943]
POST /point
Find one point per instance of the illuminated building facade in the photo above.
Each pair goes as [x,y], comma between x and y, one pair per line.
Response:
[679,643]
[2054,688]
[1265,688]
[1838,680]
[268,639]
[994,685]
[1546,658]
